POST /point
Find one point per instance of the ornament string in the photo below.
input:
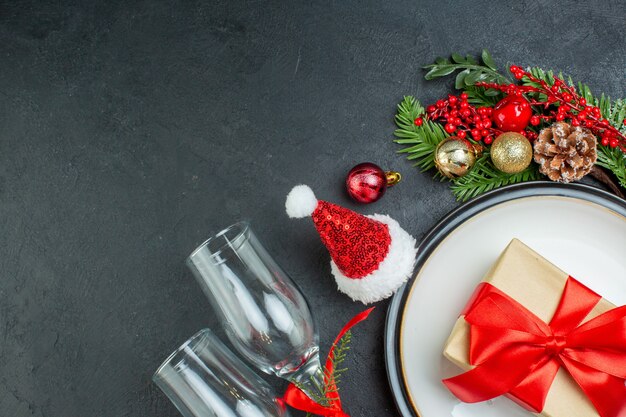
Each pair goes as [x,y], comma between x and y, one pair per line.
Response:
[294,397]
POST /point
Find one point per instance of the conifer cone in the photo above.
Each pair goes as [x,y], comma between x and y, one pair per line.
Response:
[565,153]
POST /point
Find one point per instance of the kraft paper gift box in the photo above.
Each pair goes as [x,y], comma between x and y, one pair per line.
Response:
[535,283]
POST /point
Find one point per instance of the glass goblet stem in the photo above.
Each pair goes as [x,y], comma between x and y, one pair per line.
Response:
[310,379]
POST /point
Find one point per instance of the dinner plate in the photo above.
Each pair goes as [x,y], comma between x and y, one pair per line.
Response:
[580,229]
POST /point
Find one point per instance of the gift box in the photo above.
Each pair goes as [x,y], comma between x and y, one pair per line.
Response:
[538,286]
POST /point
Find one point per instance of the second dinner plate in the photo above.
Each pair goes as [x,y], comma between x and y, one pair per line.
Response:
[580,229]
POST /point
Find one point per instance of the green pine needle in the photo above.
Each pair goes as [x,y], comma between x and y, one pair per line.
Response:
[613,159]
[484,176]
[480,97]
[421,140]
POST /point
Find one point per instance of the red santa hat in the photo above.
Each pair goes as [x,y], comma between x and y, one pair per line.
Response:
[371,256]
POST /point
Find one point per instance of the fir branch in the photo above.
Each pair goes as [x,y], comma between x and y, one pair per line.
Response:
[471,71]
[613,159]
[339,356]
[614,112]
[422,140]
[484,176]
[482,97]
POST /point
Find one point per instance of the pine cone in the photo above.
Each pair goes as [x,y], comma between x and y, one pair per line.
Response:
[565,153]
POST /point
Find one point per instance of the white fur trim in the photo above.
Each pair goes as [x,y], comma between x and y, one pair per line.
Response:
[392,272]
[301,202]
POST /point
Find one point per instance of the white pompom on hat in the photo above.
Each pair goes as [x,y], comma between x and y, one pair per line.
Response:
[301,202]
[371,256]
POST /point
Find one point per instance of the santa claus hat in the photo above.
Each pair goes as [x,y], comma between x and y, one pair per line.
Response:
[371,256]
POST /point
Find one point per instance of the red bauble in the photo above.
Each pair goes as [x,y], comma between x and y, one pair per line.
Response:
[512,114]
[367,182]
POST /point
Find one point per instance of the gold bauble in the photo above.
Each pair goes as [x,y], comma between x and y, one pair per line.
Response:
[511,152]
[454,156]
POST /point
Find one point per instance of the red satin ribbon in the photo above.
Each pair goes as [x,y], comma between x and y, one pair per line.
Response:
[516,353]
[299,400]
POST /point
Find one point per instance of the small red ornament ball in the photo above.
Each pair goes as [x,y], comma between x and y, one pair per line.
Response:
[512,114]
[367,182]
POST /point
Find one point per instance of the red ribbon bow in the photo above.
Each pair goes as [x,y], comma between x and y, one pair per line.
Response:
[516,353]
[299,400]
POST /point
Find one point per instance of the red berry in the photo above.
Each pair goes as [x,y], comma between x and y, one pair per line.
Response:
[489,111]
[484,132]
[454,113]
[452,100]
[440,104]
[514,68]
[582,115]
[464,96]
[575,122]
[604,141]
[613,143]
[567,97]
[466,112]
[456,121]
[486,123]
[461,134]
[419,121]
[488,140]
[450,128]
[464,104]
[518,76]
[560,117]
[624,122]
[588,123]
[535,120]
[554,88]
[476,134]
[430,109]
[582,101]
[564,108]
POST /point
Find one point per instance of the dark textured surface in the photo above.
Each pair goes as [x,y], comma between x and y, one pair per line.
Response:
[131,130]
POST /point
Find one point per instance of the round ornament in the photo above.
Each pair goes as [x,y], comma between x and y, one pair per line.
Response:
[511,152]
[367,182]
[455,156]
[512,114]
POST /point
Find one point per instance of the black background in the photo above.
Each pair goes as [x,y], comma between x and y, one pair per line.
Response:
[130,130]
